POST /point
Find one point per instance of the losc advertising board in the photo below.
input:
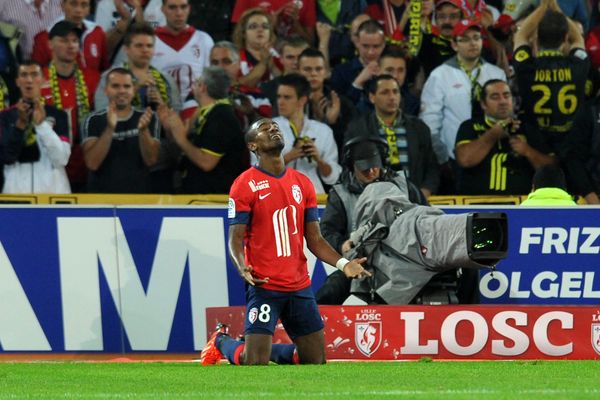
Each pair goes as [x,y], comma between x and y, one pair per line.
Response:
[106,279]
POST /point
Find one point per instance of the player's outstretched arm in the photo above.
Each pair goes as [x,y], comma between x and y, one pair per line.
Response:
[323,250]
[236,252]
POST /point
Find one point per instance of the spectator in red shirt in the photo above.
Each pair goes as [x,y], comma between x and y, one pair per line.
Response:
[92,52]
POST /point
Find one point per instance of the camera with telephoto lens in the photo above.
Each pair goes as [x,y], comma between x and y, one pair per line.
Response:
[407,245]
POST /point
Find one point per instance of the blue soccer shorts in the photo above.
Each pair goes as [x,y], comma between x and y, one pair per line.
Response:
[298,312]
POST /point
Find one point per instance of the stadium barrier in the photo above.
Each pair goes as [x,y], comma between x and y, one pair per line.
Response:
[163,199]
[126,279]
[385,333]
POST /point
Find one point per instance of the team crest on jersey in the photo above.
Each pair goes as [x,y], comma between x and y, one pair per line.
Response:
[231,208]
[252,315]
[367,337]
[521,55]
[196,51]
[94,50]
[297,193]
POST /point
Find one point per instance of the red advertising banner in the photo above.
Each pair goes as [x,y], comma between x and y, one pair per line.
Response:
[478,332]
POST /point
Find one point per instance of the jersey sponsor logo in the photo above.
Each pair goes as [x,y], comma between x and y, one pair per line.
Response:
[281,229]
[252,315]
[367,337]
[231,208]
[260,185]
[264,196]
[521,55]
[297,193]
[94,50]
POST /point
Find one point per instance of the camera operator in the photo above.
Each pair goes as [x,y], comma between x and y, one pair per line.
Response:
[496,153]
[362,165]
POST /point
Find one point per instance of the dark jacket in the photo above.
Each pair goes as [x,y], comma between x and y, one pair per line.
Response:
[423,166]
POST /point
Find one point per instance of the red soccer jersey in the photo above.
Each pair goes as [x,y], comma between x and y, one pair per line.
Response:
[275,209]
[93,53]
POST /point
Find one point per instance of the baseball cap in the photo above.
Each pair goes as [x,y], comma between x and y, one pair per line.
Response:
[63,28]
[365,155]
[455,3]
[462,26]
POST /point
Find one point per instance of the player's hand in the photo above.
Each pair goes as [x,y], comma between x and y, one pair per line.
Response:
[246,273]
[354,269]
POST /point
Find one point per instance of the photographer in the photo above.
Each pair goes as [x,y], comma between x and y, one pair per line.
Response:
[362,158]
[35,141]
[496,153]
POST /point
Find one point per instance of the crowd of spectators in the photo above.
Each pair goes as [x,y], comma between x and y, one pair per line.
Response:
[154,96]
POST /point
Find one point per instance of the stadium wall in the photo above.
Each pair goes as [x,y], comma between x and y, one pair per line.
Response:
[112,279]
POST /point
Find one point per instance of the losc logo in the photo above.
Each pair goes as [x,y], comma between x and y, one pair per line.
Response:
[368,315]
[596,337]
[367,337]
[252,315]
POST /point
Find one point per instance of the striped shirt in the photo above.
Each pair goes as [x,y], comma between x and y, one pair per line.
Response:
[29,19]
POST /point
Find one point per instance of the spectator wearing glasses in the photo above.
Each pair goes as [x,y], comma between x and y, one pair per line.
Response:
[451,95]
[254,36]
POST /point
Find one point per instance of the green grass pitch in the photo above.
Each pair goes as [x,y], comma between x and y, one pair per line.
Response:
[336,380]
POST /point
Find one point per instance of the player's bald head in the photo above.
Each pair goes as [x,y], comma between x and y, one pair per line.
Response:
[254,128]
